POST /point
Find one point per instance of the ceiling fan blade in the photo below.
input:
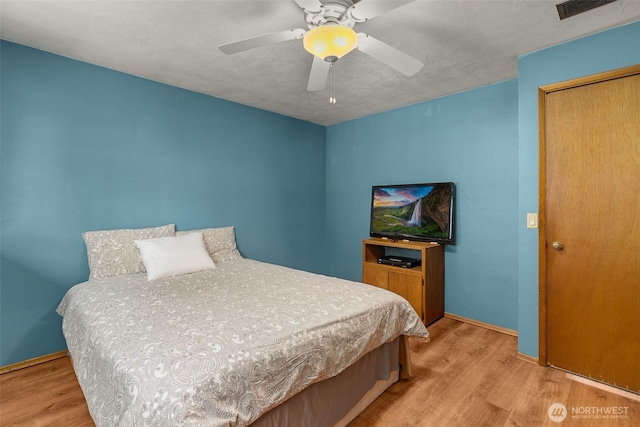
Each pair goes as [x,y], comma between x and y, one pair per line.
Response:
[266,39]
[391,56]
[367,9]
[313,6]
[319,72]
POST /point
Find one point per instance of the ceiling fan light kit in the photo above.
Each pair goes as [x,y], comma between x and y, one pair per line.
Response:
[330,42]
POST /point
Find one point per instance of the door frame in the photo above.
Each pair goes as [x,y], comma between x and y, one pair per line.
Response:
[542,220]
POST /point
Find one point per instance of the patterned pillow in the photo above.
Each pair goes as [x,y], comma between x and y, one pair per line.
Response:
[220,242]
[114,253]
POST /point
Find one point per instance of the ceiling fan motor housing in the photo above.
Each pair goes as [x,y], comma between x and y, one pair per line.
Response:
[335,12]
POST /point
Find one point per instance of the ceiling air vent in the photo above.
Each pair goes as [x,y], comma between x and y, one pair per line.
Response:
[574,7]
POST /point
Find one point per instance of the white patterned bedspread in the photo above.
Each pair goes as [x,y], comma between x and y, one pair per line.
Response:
[220,347]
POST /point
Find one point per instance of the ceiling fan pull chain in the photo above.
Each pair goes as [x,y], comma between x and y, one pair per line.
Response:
[332,98]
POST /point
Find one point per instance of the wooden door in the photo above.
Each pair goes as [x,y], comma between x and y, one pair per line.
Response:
[376,275]
[409,287]
[590,236]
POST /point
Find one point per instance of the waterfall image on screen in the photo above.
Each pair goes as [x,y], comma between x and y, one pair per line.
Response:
[414,212]
[417,214]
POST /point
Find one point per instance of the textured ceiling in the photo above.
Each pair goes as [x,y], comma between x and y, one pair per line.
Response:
[464,44]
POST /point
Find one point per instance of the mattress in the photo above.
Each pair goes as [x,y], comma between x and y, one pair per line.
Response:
[220,347]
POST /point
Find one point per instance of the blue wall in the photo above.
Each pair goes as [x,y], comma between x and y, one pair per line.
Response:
[605,51]
[86,148]
[470,138]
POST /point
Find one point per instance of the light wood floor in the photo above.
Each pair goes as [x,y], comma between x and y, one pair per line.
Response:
[466,376]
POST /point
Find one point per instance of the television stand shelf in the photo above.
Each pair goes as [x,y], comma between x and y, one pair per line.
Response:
[422,286]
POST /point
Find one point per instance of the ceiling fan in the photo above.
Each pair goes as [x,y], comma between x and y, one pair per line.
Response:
[331,36]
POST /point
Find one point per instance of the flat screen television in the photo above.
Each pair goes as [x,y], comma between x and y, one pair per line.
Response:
[422,212]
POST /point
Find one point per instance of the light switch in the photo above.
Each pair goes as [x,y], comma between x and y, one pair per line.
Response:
[532,220]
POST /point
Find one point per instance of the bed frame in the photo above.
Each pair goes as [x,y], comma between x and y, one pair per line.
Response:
[339,400]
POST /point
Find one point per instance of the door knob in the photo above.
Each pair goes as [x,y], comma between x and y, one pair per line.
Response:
[557,246]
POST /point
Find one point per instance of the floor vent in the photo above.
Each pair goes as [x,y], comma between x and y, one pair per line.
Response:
[574,7]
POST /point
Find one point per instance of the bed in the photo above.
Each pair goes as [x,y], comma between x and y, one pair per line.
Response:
[244,342]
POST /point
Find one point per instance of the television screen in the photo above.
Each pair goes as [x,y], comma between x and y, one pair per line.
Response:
[413,212]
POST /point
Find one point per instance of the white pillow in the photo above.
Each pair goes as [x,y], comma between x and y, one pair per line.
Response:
[173,256]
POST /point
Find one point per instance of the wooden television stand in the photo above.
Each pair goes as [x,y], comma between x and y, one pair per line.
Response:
[422,286]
